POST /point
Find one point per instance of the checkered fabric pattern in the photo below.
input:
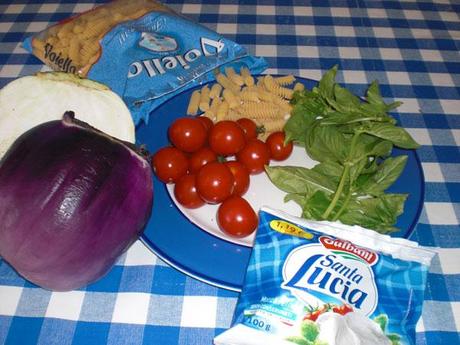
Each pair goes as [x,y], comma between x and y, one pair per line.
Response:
[410,46]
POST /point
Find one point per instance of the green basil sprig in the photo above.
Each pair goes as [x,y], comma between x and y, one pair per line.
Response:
[352,140]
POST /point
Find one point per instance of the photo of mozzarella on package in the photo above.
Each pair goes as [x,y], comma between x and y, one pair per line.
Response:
[324,283]
[141,49]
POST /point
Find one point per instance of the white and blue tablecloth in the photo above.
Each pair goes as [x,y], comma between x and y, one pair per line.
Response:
[411,47]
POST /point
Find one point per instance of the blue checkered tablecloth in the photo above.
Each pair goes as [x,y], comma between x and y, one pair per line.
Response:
[411,47]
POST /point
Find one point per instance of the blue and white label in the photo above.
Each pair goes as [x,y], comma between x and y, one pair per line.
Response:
[159,65]
[153,58]
[317,275]
[334,285]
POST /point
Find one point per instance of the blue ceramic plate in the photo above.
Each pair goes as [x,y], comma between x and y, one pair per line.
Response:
[190,241]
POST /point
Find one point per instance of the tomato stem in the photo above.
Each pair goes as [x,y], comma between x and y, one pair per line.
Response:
[221,159]
[260,130]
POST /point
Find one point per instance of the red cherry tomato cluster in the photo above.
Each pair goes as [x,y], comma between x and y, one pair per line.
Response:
[211,163]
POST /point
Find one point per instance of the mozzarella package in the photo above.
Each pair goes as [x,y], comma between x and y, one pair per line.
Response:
[325,283]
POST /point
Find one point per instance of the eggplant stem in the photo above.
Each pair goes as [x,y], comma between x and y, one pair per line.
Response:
[141,150]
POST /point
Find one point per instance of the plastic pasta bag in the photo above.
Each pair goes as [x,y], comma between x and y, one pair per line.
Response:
[141,49]
[323,283]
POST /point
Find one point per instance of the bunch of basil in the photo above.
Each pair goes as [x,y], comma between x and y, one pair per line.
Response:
[352,141]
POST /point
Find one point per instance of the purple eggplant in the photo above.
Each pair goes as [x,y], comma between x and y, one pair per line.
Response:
[72,200]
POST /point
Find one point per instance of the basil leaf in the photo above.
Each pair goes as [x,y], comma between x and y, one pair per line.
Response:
[331,169]
[366,173]
[375,100]
[327,82]
[378,213]
[343,118]
[316,205]
[377,112]
[391,206]
[326,143]
[296,127]
[299,180]
[387,173]
[344,100]
[302,117]
[357,168]
[358,115]
[397,135]
[381,148]
[370,146]
[353,216]
[363,147]
[373,95]
[298,198]
[349,128]
[393,105]
[370,168]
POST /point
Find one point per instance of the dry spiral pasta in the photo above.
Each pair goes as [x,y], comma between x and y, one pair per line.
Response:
[234,78]
[215,91]
[204,98]
[77,40]
[194,102]
[261,110]
[285,80]
[235,95]
[275,88]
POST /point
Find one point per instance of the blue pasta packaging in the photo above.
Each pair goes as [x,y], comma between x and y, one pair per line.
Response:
[141,49]
[324,283]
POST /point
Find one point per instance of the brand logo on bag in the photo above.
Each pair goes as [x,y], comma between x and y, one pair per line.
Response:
[332,271]
[64,64]
[343,247]
[157,43]
[160,65]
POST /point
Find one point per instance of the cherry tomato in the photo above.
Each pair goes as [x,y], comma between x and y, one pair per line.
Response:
[200,158]
[185,192]
[249,128]
[278,150]
[241,176]
[255,155]
[226,138]
[187,134]
[206,122]
[236,217]
[169,163]
[214,182]
[343,309]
